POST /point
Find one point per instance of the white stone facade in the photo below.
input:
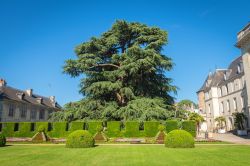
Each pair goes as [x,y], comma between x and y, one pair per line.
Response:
[228,90]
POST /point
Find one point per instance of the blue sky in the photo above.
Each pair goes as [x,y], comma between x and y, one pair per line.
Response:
[36,37]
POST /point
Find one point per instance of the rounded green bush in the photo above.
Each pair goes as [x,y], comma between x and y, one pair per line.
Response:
[80,139]
[2,140]
[179,139]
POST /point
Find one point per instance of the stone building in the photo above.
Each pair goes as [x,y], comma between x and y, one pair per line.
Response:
[24,106]
[226,91]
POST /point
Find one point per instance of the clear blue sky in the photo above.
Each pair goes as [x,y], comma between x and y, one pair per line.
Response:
[36,37]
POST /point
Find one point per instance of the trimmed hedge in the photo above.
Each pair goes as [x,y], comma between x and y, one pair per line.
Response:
[80,139]
[59,130]
[132,129]
[40,124]
[24,130]
[151,128]
[76,126]
[114,128]
[2,140]
[189,126]
[179,139]
[8,129]
[171,125]
[93,126]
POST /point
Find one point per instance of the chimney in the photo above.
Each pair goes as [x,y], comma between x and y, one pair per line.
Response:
[29,92]
[3,82]
[39,100]
[53,100]
[20,95]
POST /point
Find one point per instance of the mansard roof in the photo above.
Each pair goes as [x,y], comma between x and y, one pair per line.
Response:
[223,76]
[7,92]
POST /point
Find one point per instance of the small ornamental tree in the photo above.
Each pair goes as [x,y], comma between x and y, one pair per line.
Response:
[221,122]
[239,120]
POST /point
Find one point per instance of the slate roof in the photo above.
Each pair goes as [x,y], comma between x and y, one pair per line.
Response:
[11,93]
[217,78]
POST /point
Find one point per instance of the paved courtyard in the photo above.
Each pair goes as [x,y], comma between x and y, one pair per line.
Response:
[229,137]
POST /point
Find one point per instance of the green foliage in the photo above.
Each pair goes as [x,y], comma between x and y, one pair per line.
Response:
[80,139]
[145,109]
[197,118]
[189,126]
[171,125]
[221,122]
[114,128]
[59,130]
[151,128]
[24,130]
[8,129]
[94,126]
[239,120]
[179,139]
[42,126]
[2,140]
[132,129]
[76,125]
[122,67]
[161,128]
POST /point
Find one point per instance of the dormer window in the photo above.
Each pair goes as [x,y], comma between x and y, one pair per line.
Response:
[239,68]
[39,100]
[20,95]
[225,76]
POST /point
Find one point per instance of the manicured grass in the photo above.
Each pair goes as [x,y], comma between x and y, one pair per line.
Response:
[124,155]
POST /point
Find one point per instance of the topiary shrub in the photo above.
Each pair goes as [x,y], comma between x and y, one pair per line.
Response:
[189,126]
[171,125]
[80,139]
[59,130]
[2,140]
[179,139]
[24,130]
[132,129]
[114,129]
[93,126]
[161,134]
[41,128]
[8,129]
[151,128]
[76,126]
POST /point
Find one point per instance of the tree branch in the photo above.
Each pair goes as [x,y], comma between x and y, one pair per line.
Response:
[104,65]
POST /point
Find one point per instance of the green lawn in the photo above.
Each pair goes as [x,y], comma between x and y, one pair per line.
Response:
[58,155]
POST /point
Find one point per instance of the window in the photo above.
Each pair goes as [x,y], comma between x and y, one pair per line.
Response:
[220,92]
[209,108]
[1,110]
[242,102]
[228,106]
[23,111]
[222,107]
[235,104]
[33,114]
[239,83]
[11,110]
[41,114]
[232,86]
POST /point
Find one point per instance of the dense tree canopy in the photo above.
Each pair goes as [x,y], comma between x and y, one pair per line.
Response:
[123,75]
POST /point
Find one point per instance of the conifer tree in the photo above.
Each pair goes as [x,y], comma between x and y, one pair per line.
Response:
[124,66]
